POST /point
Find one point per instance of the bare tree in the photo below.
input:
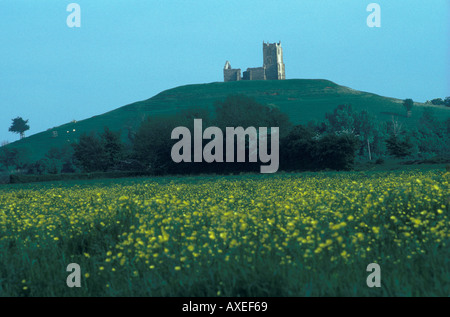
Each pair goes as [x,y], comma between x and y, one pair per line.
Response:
[396,126]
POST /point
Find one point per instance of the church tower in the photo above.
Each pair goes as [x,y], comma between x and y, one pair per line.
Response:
[273,61]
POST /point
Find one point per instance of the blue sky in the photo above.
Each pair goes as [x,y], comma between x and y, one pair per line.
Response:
[126,51]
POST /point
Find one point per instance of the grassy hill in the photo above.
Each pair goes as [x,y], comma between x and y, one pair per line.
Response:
[302,99]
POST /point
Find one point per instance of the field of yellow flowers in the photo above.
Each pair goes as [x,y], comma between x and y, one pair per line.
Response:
[310,234]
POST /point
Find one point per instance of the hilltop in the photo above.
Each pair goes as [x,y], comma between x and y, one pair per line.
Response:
[301,99]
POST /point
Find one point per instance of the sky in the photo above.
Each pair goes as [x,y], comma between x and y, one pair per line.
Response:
[127,51]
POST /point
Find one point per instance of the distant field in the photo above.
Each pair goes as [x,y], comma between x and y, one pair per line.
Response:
[302,99]
[308,234]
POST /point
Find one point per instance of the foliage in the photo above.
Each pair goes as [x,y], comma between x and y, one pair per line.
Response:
[98,153]
[302,150]
[301,100]
[432,136]
[408,104]
[335,152]
[301,147]
[9,157]
[342,119]
[89,154]
[56,161]
[447,101]
[39,167]
[297,149]
[152,143]
[438,102]
[399,147]
[19,125]
[112,147]
[244,111]
[361,124]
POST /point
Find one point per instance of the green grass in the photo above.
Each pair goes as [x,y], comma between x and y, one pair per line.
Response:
[281,225]
[301,99]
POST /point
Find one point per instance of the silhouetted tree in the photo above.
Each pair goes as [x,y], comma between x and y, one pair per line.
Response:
[408,104]
[438,102]
[447,101]
[19,126]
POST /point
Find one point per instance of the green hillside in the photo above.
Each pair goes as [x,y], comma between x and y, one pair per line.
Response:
[302,99]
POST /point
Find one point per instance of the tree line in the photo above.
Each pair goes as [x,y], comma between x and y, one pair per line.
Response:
[336,143]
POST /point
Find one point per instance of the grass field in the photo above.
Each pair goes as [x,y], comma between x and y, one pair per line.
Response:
[301,99]
[310,234]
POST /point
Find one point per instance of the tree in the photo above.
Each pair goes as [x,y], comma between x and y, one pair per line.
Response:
[431,135]
[39,167]
[9,157]
[438,102]
[361,124]
[19,126]
[447,101]
[58,160]
[408,104]
[240,110]
[112,147]
[336,152]
[428,120]
[342,119]
[366,129]
[394,126]
[243,111]
[296,149]
[97,152]
[398,147]
[447,126]
[89,153]
[152,143]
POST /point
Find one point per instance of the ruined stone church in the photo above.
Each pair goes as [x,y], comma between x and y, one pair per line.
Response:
[272,69]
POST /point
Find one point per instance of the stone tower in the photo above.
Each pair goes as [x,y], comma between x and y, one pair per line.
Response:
[273,61]
[272,69]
